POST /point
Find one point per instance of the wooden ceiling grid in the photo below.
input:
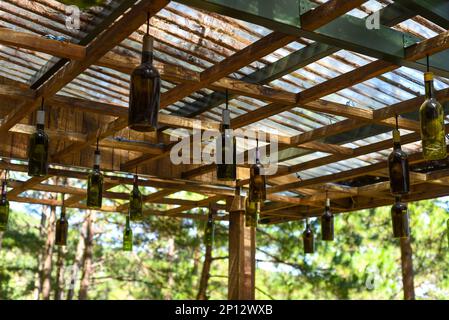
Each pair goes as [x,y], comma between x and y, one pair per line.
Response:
[89,95]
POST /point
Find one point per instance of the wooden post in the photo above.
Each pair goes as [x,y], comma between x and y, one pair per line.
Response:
[407,269]
[242,253]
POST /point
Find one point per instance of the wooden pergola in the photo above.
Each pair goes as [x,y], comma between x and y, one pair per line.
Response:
[311,70]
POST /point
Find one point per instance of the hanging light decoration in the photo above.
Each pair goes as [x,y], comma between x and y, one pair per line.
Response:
[226,148]
[135,201]
[95,183]
[4,205]
[431,116]
[252,210]
[308,240]
[398,166]
[400,219]
[257,181]
[128,235]
[145,92]
[327,222]
[62,226]
[38,147]
[209,232]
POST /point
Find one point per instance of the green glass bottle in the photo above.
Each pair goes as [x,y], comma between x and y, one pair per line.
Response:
[127,236]
[400,219]
[227,148]
[209,232]
[398,168]
[95,185]
[251,213]
[257,181]
[62,227]
[308,240]
[38,149]
[327,223]
[4,208]
[135,201]
[144,97]
[432,124]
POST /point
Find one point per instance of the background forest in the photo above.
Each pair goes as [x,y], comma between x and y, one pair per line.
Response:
[168,261]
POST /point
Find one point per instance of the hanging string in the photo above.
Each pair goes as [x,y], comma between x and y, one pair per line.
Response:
[42,104]
[397,122]
[148,23]
[98,141]
[428,63]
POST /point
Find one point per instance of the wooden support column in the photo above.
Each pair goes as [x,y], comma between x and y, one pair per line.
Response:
[242,253]
[407,269]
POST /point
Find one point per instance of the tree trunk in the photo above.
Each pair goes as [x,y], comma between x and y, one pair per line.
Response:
[78,260]
[205,274]
[170,258]
[407,269]
[48,254]
[60,271]
[87,259]
[40,257]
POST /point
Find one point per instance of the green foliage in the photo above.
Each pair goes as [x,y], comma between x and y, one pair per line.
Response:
[362,263]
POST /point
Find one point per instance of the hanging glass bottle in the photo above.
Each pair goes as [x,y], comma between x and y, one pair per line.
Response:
[447,231]
[4,207]
[145,91]
[251,213]
[209,232]
[127,236]
[432,123]
[226,148]
[257,181]
[398,166]
[38,147]
[400,219]
[135,201]
[327,222]
[62,226]
[308,240]
[95,184]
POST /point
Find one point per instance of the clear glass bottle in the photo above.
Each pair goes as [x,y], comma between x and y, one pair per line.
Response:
[4,208]
[251,213]
[127,236]
[257,181]
[62,227]
[38,149]
[95,185]
[226,166]
[144,98]
[398,168]
[400,219]
[327,223]
[433,134]
[135,201]
[308,239]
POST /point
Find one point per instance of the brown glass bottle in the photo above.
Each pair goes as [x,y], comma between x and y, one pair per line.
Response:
[38,149]
[308,240]
[257,181]
[227,149]
[4,208]
[209,232]
[135,201]
[95,185]
[433,131]
[252,210]
[400,219]
[327,223]
[127,236]
[62,228]
[398,168]
[145,91]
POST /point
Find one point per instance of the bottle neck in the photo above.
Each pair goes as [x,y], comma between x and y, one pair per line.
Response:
[396,139]
[257,155]
[97,160]
[4,189]
[127,222]
[429,89]
[40,126]
[63,212]
[136,182]
[328,204]
[147,49]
